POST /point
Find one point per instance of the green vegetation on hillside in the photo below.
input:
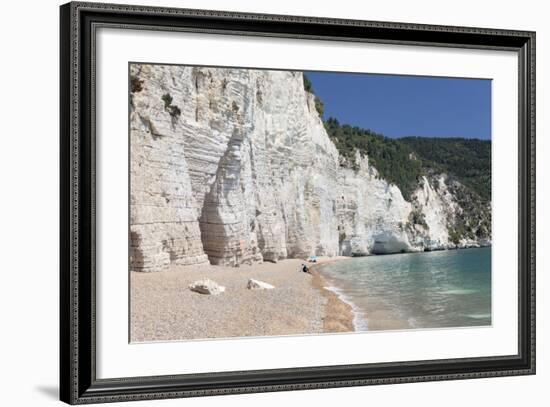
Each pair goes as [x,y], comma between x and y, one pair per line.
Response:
[392,159]
[404,161]
[469,160]
[475,219]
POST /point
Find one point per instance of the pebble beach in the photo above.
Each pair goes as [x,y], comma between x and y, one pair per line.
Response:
[163,308]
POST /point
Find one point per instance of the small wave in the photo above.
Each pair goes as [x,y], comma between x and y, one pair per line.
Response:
[359,317]
[459,292]
[478,316]
[413,323]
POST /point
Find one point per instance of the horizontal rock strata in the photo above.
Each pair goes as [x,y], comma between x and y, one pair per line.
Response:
[233,166]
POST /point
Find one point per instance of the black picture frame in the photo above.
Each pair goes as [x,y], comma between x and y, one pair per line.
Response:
[78,382]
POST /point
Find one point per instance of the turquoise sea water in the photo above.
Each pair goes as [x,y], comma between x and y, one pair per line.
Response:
[449,288]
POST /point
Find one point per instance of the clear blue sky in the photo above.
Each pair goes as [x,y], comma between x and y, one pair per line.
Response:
[399,106]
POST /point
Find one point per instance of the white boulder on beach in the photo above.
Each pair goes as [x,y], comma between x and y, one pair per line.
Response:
[258,285]
[207,286]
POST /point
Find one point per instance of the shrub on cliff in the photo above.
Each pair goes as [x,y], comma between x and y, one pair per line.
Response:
[319,106]
[174,110]
[308,86]
[136,84]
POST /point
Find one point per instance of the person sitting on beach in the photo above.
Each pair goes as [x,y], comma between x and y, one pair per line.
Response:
[305,268]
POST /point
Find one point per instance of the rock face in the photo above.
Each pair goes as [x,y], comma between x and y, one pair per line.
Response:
[207,287]
[233,166]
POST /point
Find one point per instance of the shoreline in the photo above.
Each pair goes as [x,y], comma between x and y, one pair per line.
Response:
[369,316]
[418,251]
[339,315]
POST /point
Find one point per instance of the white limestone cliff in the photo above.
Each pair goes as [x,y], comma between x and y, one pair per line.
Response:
[233,166]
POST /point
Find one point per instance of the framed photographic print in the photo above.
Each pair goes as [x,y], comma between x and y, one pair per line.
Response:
[255,203]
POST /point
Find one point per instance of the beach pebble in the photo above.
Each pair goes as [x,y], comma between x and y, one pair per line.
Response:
[258,285]
[207,286]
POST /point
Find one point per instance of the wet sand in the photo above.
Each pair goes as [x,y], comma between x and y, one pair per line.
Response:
[162,307]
